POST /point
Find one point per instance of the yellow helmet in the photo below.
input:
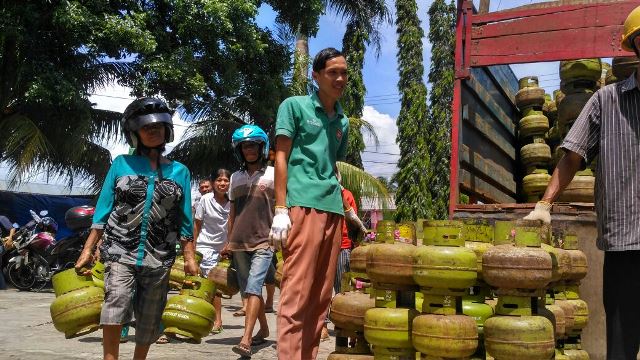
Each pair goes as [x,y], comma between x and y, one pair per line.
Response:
[631,28]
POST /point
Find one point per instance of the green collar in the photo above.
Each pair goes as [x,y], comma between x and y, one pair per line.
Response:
[318,105]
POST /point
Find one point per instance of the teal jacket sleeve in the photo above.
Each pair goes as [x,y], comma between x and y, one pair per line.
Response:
[186,223]
[107,196]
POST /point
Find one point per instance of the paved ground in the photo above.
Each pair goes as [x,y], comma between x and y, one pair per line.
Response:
[26,332]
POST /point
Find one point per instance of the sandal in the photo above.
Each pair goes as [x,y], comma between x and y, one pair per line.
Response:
[163,339]
[239,313]
[217,330]
[242,350]
[268,310]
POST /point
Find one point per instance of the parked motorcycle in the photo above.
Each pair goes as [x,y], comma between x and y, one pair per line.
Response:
[40,256]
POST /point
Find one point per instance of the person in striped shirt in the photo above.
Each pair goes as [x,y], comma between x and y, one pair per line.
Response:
[609,127]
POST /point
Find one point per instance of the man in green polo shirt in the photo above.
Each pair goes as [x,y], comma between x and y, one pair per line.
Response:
[311,135]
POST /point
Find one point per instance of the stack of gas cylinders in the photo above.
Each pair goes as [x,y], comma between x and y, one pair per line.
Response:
[535,154]
[470,289]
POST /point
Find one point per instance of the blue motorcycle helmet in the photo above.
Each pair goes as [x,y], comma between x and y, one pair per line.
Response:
[251,133]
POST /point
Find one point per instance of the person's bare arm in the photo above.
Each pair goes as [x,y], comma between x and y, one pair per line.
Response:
[232,218]
[86,256]
[281,222]
[283,150]
[562,176]
[230,221]
[189,253]
[197,227]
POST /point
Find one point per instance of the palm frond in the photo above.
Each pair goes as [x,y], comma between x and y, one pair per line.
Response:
[365,14]
[105,73]
[105,124]
[206,147]
[363,125]
[363,184]
[24,145]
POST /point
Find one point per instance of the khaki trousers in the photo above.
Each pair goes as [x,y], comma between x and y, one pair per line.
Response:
[310,259]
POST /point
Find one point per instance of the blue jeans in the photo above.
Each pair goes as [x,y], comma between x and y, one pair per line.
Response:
[252,268]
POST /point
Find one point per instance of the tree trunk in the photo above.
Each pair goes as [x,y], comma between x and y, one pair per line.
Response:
[300,80]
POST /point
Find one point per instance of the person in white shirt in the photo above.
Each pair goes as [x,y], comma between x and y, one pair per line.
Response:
[210,231]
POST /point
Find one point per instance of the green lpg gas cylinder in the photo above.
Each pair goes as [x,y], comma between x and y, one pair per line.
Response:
[385,231]
[555,314]
[97,274]
[444,267]
[358,259]
[519,337]
[224,276]
[386,328]
[580,315]
[434,231]
[390,266]
[407,233]
[478,311]
[199,287]
[514,267]
[503,232]
[190,317]
[177,275]
[68,280]
[530,94]
[348,310]
[445,336]
[76,311]
[576,354]
[561,262]
[534,124]
[479,248]
[587,69]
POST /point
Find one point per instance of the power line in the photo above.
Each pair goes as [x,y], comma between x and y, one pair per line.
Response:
[379,152]
[114,97]
[380,162]
[384,103]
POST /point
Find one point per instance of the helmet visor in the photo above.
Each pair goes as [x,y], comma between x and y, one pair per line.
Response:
[141,120]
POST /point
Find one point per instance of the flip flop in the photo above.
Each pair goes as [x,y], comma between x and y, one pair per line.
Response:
[217,329]
[239,313]
[163,339]
[242,350]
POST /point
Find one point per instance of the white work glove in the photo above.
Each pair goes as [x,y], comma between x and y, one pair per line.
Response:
[542,211]
[280,229]
[351,216]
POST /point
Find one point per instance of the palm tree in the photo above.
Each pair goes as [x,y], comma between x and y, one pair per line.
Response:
[413,198]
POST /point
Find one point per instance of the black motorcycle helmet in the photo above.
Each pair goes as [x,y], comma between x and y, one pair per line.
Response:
[144,111]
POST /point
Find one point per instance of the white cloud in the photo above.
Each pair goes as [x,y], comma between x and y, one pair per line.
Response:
[381,160]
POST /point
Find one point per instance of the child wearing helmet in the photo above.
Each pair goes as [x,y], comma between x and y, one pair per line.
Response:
[143,210]
[251,193]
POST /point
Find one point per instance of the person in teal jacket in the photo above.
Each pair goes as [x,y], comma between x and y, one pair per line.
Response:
[143,210]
